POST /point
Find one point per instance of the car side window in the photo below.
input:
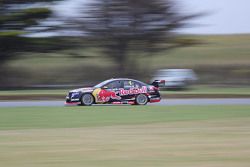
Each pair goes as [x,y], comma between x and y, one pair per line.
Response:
[138,85]
[131,84]
[114,85]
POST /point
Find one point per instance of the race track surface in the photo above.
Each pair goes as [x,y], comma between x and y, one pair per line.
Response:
[168,102]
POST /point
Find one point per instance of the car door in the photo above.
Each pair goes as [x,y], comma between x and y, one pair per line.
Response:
[130,89]
[110,92]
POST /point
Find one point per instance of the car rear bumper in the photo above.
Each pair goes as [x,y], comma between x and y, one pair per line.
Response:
[155,100]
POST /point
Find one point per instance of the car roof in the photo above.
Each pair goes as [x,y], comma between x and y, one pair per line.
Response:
[117,79]
[121,79]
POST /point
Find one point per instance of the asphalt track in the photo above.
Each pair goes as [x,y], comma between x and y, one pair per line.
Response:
[168,102]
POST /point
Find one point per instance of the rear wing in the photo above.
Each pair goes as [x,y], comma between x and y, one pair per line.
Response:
[158,83]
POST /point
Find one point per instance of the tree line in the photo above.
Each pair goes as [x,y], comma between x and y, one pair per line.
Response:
[121,28]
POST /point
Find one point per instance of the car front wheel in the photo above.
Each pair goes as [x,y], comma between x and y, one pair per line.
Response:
[87,100]
[141,99]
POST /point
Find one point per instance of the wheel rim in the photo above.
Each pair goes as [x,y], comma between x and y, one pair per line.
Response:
[87,99]
[142,99]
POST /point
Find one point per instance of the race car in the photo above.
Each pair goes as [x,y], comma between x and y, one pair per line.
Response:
[116,91]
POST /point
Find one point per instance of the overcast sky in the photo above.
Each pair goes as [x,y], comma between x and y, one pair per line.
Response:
[225,16]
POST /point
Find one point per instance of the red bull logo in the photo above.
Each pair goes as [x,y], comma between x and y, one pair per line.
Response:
[105,96]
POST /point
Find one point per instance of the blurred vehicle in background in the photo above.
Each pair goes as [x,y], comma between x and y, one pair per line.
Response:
[175,78]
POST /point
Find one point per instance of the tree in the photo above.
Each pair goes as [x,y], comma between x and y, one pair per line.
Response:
[125,26]
[15,17]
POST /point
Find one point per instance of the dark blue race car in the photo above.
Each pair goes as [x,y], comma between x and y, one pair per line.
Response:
[116,91]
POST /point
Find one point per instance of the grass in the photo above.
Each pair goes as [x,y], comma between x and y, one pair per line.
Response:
[74,117]
[199,90]
[216,50]
[131,136]
[35,92]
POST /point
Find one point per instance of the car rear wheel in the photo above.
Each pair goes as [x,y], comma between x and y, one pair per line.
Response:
[141,99]
[87,100]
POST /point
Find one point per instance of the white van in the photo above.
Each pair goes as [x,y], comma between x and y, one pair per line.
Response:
[175,78]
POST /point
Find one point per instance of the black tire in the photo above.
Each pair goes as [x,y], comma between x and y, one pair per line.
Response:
[87,100]
[141,99]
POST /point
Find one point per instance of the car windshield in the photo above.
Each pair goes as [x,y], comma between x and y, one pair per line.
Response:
[102,83]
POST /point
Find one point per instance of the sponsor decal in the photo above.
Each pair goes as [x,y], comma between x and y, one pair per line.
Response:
[133,91]
[151,88]
[75,95]
[125,102]
[83,90]
[103,95]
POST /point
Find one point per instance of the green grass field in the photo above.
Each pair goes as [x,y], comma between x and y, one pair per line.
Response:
[129,136]
[216,50]
[198,89]
[211,90]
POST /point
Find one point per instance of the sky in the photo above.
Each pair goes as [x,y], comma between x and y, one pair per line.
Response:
[224,16]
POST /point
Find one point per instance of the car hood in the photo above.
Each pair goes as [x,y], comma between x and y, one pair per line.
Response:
[89,89]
